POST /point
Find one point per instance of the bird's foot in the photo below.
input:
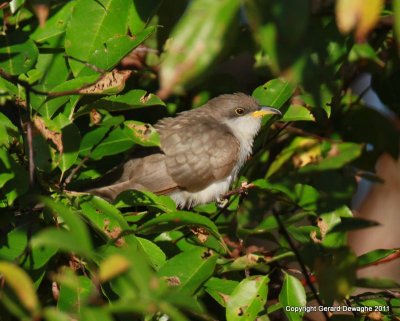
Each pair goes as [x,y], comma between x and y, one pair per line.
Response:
[222,202]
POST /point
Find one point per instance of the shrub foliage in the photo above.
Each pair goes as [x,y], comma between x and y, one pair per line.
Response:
[82,81]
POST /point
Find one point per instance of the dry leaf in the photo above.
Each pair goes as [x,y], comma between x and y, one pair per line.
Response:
[136,58]
[42,12]
[201,233]
[309,156]
[48,134]
[95,117]
[112,82]
[173,280]
[375,316]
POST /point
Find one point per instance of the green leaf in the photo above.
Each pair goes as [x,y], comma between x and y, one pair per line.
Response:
[76,239]
[377,283]
[143,198]
[396,26]
[74,295]
[94,137]
[94,314]
[352,223]
[297,113]
[55,25]
[340,155]
[91,25]
[274,93]
[133,99]
[53,314]
[101,212]
[75,84]
[143,134]
[363,51]
[70,139]
[15,244]
[374,256]
[284,156]
[8,131]
[140,13]
[18,53]
[156,256]
[113,50]
[22,286]
[292,295]
[328,221]
[168,220]
[60,240]
[247,299]
[253,261]
[195,45]
[273,28]
[13,177]
[189,270]
[220,289]
[118,140]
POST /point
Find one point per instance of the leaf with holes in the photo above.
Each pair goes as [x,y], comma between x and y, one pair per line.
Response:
[91,25]
[247,299]
[18,53]
[187,271]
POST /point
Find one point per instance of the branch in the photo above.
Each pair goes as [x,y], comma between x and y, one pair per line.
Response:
[239,191]
[302,132]
[300,260]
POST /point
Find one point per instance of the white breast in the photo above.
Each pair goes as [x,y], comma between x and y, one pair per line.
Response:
[245,129]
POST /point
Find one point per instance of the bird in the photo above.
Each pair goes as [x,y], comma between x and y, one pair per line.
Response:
[201,152]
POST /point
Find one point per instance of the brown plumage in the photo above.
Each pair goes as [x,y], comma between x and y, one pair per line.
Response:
[201,153]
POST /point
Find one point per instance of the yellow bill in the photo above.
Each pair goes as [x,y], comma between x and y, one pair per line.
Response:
[265,111]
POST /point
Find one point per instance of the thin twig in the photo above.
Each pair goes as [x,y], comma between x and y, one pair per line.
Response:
[85,159]
[87,64]
[75,170]
[302,132]
[29,139]
[30,153]
[300,260]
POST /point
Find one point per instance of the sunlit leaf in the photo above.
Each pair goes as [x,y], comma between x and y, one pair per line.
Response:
[292,294]
[21,284]
[91,25]
[247,299]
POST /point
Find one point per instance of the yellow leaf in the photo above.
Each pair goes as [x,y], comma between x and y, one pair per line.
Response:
[113,266]
[347,14]
[369,15]
[21,284]
[360,15]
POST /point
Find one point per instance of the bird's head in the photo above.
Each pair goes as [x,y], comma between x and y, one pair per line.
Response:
[242,113]
[236,106]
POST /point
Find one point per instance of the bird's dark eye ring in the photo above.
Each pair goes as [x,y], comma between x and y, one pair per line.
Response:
[239,111]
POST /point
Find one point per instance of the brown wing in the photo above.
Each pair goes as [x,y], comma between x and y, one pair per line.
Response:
[147,173]
[198,151]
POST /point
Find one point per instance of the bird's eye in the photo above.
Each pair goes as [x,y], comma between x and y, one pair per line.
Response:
[239,111]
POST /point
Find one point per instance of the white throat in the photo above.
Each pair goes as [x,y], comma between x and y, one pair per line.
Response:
[245,129]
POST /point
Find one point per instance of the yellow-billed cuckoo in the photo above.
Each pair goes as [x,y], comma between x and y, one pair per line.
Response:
[201,152]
